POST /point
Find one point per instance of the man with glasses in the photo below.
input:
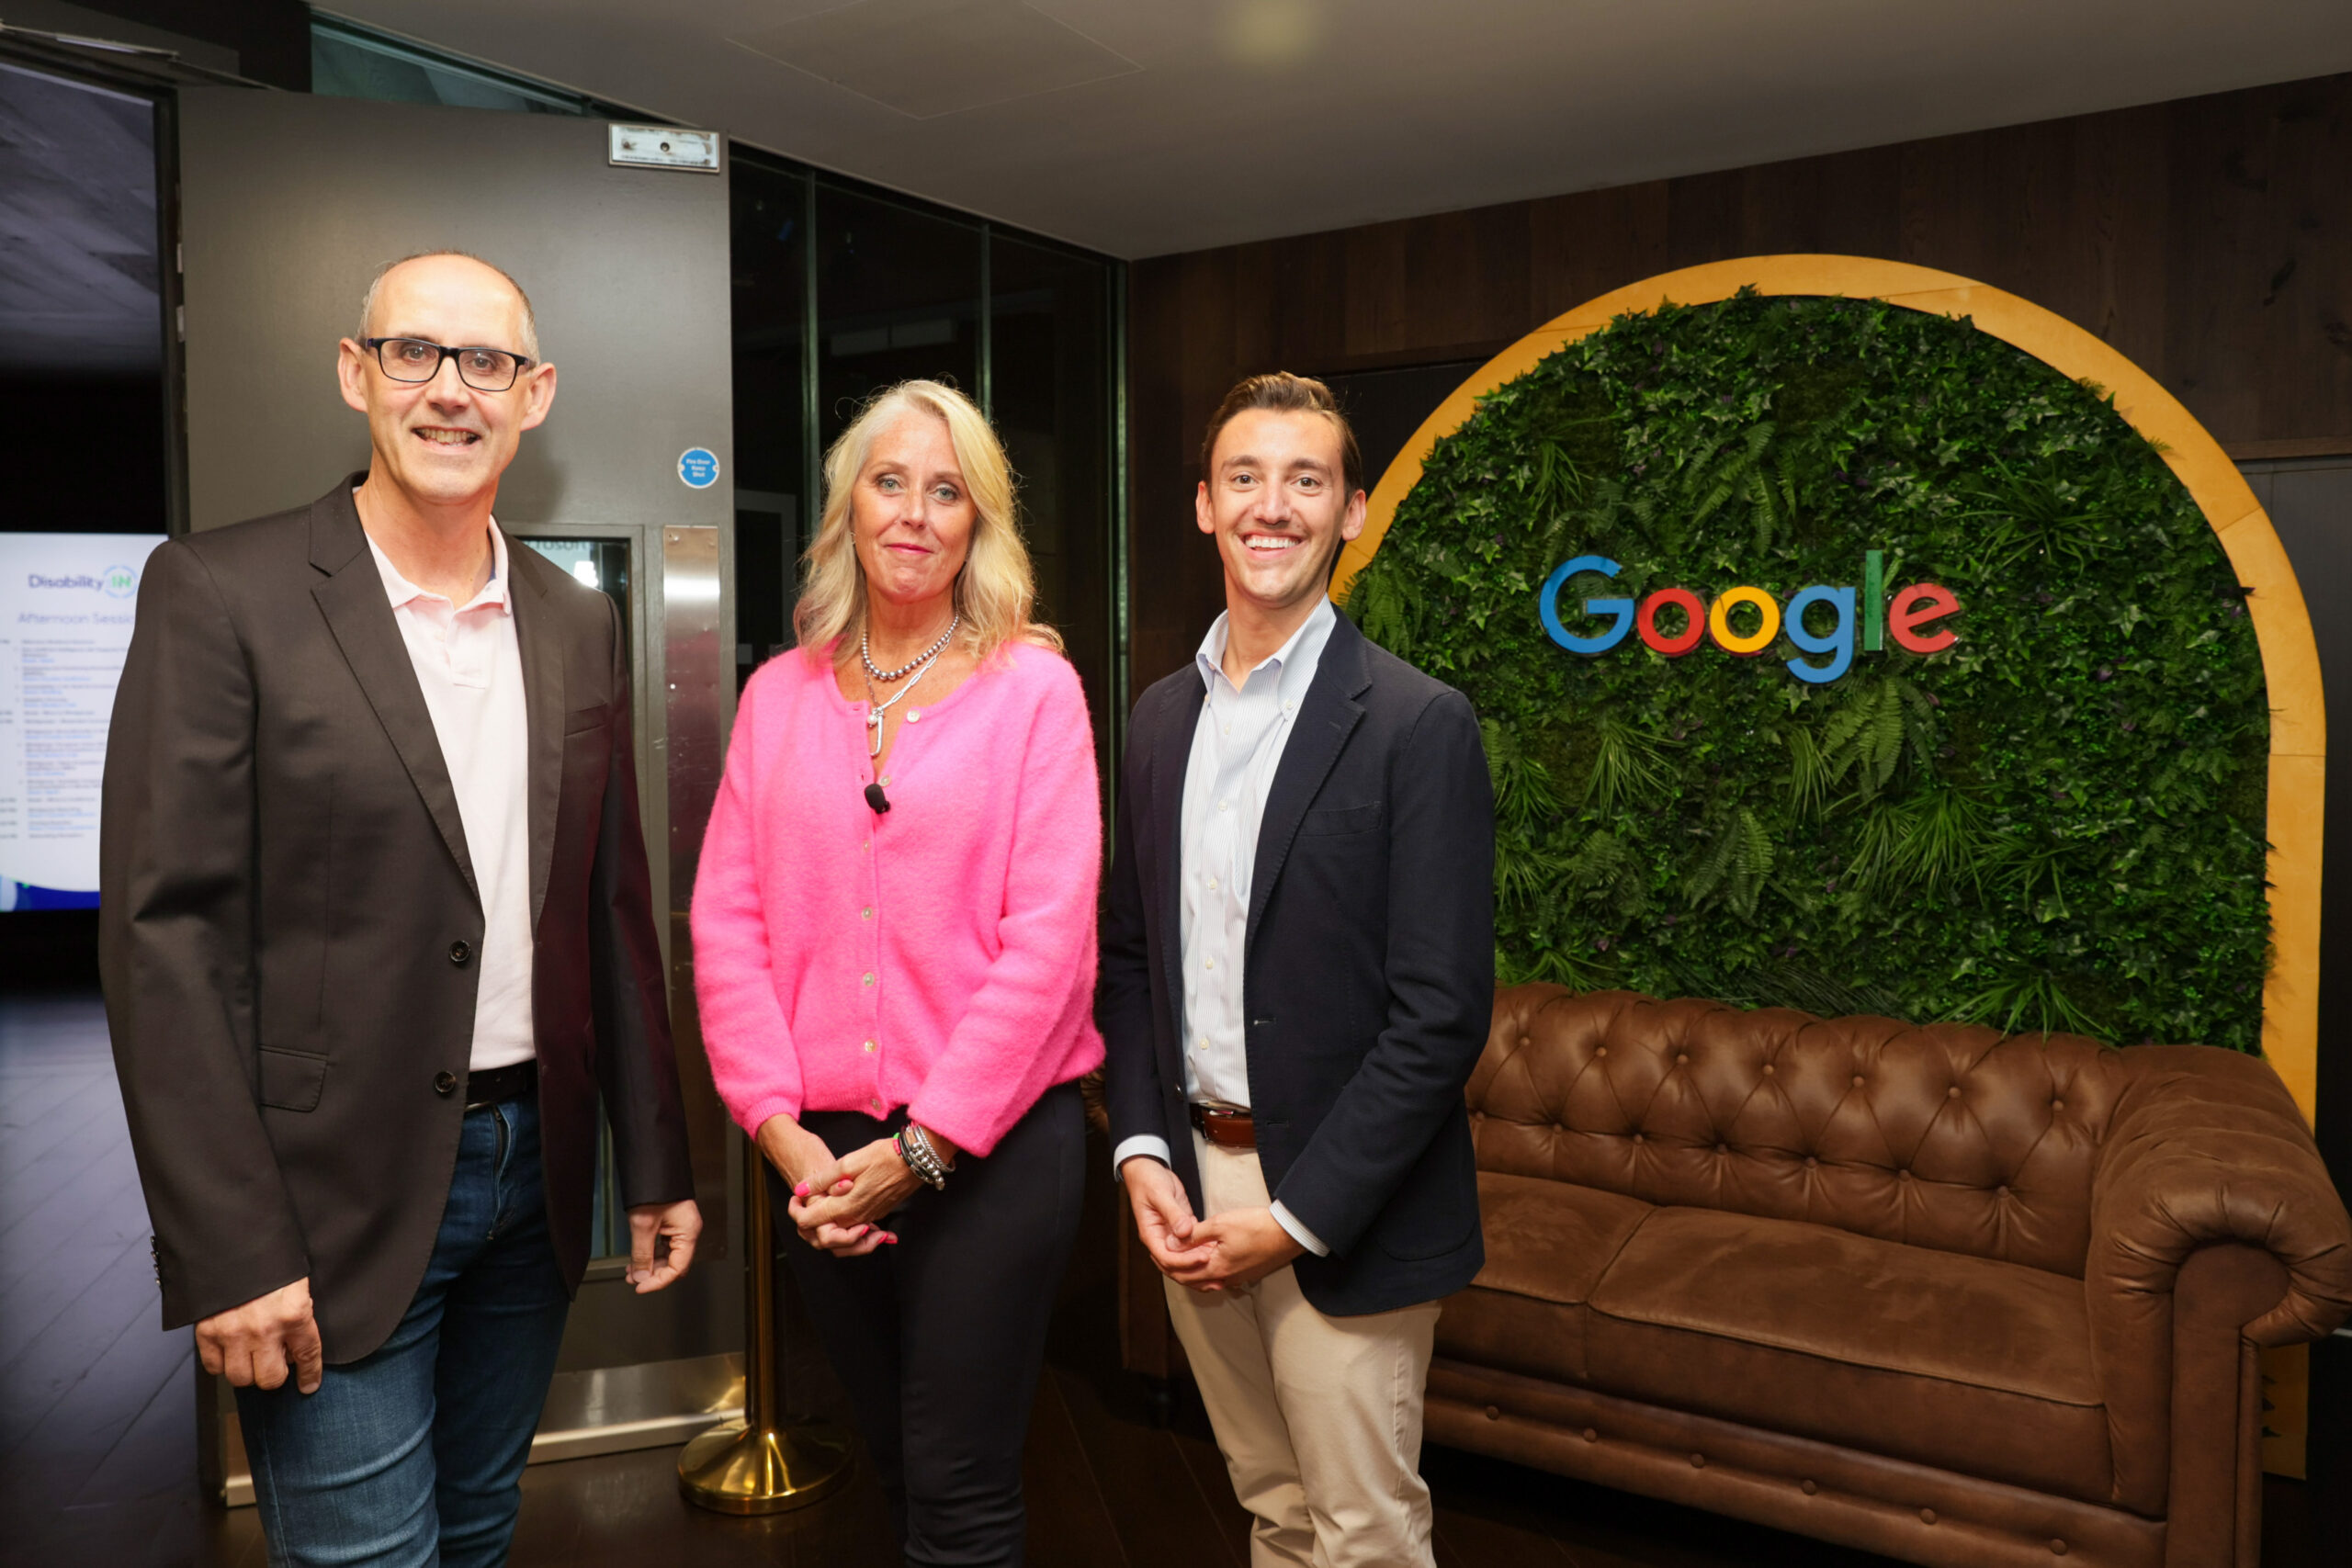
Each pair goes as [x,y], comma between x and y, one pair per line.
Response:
[377,935]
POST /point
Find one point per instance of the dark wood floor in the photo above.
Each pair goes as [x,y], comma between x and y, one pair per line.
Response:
[97,1449]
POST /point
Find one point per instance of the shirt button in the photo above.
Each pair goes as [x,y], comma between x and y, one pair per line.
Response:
[1212,883]
[869,1046]
[874,1101]
[1223,805]
[870,977]
[866,913]
[1208,963]
[459,953]
[1290,707]
[1205,1041]
[444,1084]
[885,780]
[913,714]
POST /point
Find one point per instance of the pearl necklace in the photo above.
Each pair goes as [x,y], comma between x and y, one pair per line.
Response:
[865,654]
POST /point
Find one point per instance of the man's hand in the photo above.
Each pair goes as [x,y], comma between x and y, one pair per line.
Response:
[651,1264]
[253,1345]
[1239,1247]
[1163,1213]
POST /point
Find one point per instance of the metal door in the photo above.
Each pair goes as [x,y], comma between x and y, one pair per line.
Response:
[288,206]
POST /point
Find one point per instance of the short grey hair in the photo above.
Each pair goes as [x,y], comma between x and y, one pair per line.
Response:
[375,284]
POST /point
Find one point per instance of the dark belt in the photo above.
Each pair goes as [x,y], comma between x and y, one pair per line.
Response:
[1227,1128]
[500,1084]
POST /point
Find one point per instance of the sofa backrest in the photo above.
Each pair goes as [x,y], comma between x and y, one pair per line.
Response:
[1945,1135]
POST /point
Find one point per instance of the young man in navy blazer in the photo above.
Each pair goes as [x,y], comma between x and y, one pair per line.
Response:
[1297,974]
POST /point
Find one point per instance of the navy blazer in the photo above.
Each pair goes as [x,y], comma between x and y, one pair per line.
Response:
[1368,982]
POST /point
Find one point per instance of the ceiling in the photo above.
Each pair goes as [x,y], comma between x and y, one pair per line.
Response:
[1142,127]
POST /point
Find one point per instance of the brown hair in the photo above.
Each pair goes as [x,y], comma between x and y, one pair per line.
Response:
[1279,392]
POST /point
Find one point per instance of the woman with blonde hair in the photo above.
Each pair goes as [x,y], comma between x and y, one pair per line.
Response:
[894,953]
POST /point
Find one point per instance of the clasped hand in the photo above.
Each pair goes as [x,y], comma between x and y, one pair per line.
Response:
[1237,1247]
[837,1204]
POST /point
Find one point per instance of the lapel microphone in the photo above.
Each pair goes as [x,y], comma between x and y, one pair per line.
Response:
[877,799]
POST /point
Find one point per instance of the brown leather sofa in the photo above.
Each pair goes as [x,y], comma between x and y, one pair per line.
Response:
[1945,1295]
[1948,1296]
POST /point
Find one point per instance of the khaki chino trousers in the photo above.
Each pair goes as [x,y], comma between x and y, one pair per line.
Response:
[1319,1418]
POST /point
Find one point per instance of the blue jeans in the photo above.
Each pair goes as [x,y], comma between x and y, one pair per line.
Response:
[413,1456]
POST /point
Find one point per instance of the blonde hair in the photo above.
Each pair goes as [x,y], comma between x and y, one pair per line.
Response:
[996,590]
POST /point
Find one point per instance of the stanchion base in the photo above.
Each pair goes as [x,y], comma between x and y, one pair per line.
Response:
[731,1469]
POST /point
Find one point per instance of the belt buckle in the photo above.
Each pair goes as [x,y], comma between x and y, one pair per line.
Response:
[1219,1122]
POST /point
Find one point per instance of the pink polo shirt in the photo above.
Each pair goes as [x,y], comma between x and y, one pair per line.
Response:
[470,664]
[940,956]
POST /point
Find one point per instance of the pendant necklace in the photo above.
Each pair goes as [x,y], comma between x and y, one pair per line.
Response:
[918,667]
[874,710]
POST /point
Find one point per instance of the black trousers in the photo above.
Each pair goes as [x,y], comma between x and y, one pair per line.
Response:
[939,1340]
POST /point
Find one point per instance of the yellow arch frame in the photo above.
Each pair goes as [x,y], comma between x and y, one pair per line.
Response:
[2281,622]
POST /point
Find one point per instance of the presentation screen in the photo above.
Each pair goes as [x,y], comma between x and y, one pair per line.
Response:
[66,602]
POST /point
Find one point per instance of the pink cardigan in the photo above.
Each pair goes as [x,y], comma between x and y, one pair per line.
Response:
[940,956]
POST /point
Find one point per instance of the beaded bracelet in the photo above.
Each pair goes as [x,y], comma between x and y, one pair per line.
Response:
[914,1147]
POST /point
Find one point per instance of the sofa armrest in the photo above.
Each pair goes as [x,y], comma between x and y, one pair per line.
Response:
[2206,1150]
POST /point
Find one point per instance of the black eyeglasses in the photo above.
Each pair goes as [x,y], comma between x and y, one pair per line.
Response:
[415,359]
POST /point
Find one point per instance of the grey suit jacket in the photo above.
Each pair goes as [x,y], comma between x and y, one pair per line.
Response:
[290,925]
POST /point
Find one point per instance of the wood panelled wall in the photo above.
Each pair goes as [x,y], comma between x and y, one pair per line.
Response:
[2209,239]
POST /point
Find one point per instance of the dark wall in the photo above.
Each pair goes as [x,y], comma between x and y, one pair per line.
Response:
[2209,239]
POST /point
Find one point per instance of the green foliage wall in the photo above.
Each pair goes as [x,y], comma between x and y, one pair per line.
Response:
[2056,823]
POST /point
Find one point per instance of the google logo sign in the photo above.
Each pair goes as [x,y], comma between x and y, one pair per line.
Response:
[1902,618]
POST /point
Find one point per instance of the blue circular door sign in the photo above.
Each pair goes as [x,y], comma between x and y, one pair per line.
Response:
[698,466]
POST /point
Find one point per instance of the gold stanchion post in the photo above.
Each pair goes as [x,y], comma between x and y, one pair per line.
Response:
[755,1465]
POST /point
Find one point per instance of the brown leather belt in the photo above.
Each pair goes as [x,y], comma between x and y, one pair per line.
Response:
[1227,1129]
[500,1084]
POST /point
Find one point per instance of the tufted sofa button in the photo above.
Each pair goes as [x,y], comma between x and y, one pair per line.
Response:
[1600,1050]
[2057,1547]
[1904,1174]
[1591,1436]
[1526,1040]
[1723,1148]
[1809,1487]
[2003,1189]
[1697,1462]
[1810,1162]
[1682,1059]
[2057,1105]
[1927,1515]
[1857,1080]
[1637,1138]
[1494,1413]
[1952,1093]
[1767,1069]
